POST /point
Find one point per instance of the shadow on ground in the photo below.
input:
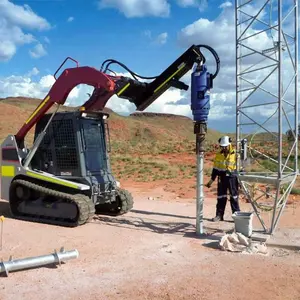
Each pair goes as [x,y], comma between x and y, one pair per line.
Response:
[161,214]
[210,239]
[48,266]
[152,221]
[171,226]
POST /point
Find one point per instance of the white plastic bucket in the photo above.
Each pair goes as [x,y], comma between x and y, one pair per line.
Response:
[243,222]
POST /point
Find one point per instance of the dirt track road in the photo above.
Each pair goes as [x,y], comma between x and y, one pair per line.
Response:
[151,253]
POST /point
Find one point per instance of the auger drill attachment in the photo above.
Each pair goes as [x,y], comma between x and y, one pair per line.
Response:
[65,177]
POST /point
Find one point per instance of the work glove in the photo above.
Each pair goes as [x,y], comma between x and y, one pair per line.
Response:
[209,183]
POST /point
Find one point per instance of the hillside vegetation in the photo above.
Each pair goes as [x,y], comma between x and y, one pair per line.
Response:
[143,133]
[144,146]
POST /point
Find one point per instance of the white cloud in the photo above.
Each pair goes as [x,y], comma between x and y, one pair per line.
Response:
[70,19]
[120,106]
[143,8]
[147,33]
[13,20]
[138,8]
[162,38]
[22,16]
[46,82]
[185,3]
[7,50]
[38,51]
[219,33]
[33,72]
[26,86]
[18,86]
[173,101]
[225,4]
[11,37]
[201,4]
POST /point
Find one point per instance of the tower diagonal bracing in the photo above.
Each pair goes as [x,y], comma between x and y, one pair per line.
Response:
[267,104]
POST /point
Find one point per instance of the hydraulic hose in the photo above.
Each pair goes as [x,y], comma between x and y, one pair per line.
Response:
[134,75]
[214,53]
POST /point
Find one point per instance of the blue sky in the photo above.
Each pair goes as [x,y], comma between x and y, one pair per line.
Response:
[95,34]
[146,35]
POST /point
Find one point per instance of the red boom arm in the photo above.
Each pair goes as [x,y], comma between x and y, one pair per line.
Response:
[142,94]
[63,86]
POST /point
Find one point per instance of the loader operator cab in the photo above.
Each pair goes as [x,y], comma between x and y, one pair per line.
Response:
[95,139]
[75,145]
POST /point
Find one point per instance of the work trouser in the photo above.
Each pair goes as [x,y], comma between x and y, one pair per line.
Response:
[226,183]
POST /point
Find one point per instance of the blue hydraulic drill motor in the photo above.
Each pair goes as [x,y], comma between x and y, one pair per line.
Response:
[201,83]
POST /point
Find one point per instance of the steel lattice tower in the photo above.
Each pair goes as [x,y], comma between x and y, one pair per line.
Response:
[267,104]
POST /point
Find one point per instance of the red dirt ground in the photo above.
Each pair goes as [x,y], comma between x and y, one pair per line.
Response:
[150,253]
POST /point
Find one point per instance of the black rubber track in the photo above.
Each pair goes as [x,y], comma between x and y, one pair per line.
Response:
[84,204]
[125,201]
[123,204]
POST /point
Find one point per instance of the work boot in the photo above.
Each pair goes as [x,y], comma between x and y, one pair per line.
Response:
[217,218]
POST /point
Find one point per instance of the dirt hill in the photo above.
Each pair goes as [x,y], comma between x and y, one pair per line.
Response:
[145,147]
[158,131]
[148,148]
[153,156]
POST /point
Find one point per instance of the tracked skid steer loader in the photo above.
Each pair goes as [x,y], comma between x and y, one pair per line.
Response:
[66,177]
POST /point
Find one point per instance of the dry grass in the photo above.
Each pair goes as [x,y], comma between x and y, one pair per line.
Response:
[141,146]
[151,169]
